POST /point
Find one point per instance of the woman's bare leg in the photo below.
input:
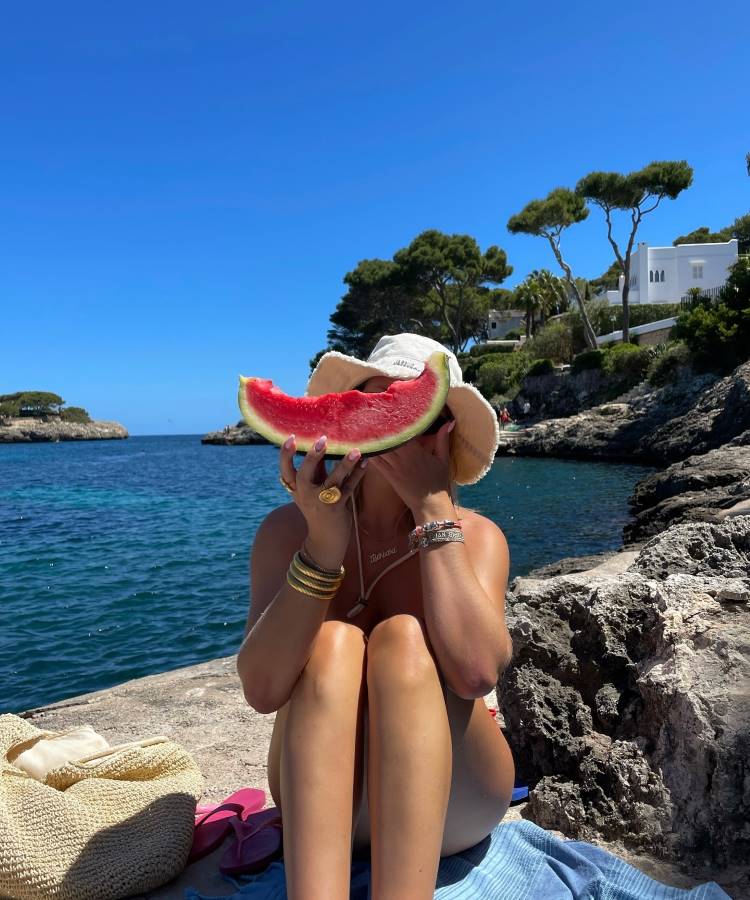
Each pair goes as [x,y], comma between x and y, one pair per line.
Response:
[318,791]
[409,760]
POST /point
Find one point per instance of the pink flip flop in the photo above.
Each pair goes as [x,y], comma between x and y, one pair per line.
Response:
[259,842]
[213,826]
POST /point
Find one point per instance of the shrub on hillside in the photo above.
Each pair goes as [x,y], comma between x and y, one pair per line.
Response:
[75,414]
[553,341]
[627,361]
[664,366]
[541,367]
[589,359]
[718,335]
[501,373]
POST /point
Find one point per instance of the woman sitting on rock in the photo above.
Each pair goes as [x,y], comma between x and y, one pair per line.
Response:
[382,742]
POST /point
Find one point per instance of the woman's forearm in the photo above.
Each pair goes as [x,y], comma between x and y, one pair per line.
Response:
[277,648]
[467,632]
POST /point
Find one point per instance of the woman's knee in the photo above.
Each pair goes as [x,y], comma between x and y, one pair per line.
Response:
[399,647]
[337,657]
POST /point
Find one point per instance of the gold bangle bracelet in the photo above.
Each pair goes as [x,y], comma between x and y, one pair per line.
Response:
[305,590]
[308,582]
[313,571]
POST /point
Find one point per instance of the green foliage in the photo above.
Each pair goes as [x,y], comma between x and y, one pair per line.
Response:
[541,367]
[589,359]
[554,340]
[654,182]
[513,335]
[608,280]
[75,414]
[39,404]
[667,361]
[501,373]
[718,335]
[559,209]
[702,235]
[439,286]
[627,361]
[452,276]
[378,301]
[739,229]
[34,403]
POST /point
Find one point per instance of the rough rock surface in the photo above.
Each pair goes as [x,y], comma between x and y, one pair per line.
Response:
[648,424]
[704,488]
[628,700]
[234,434]
[28,430]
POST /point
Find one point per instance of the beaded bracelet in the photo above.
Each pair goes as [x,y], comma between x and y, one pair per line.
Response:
[430,527]
[443,536]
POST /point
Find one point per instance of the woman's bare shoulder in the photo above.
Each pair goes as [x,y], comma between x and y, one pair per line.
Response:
[475,523]
[283,522]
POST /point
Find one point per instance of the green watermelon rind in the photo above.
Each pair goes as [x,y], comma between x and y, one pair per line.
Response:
[438,362]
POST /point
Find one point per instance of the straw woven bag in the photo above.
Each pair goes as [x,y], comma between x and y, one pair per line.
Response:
[113,824]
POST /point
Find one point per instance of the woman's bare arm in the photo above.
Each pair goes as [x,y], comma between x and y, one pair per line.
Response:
[282,623]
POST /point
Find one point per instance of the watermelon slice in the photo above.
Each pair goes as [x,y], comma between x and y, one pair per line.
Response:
[371,422]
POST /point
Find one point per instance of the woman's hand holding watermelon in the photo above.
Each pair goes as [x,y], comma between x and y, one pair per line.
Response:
[328,525]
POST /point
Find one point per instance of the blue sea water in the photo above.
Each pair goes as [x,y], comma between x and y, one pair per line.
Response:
[124,558]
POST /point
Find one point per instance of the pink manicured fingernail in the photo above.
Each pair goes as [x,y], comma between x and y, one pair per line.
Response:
[289,442]
[354,454]
[363,464]
[452,425]
[320,443]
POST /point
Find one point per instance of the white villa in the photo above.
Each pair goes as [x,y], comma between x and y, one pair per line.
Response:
[501,321]
[665,274]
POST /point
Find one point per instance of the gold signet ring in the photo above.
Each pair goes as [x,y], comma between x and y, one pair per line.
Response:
[330,495]
[286,484]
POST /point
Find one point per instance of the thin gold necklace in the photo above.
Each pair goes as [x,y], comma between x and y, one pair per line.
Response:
[374,558]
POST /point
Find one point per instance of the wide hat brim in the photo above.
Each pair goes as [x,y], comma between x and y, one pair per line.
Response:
[476,435]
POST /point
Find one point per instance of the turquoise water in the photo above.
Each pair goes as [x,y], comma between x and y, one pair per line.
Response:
[123,558]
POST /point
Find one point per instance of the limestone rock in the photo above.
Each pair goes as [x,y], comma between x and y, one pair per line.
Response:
[28,430]
[649,424]
[628,700]
[240,433]
[705,487]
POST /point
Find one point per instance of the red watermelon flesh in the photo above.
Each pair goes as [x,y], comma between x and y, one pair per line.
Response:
[371,422]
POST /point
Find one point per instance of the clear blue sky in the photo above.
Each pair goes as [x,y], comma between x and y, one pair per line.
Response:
[185,184]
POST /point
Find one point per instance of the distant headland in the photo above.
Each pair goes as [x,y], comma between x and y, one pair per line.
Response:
[41,416]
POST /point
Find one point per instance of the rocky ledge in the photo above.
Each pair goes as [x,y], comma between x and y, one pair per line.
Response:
[628,700]
[708,487]
[648,424]
[234,434]
[28,430]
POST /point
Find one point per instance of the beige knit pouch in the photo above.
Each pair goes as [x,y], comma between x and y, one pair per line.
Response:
[116,823]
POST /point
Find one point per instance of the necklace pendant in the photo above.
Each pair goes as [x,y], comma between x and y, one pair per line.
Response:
[357,608]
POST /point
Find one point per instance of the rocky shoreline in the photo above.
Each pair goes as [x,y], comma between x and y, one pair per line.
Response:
[655,425]
[233,435]
[30,430]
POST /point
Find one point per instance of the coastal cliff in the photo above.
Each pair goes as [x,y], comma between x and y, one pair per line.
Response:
[27,430]
[646,424]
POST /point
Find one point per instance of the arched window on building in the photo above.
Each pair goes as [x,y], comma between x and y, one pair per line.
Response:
[662,275]
[651,275]
[656,276]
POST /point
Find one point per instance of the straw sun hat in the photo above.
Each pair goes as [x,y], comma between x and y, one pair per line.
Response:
[476,434]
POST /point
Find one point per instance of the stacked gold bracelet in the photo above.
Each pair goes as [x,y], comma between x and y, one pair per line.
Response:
[308,579]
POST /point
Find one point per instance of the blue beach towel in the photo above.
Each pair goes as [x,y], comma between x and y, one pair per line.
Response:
[517,861]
